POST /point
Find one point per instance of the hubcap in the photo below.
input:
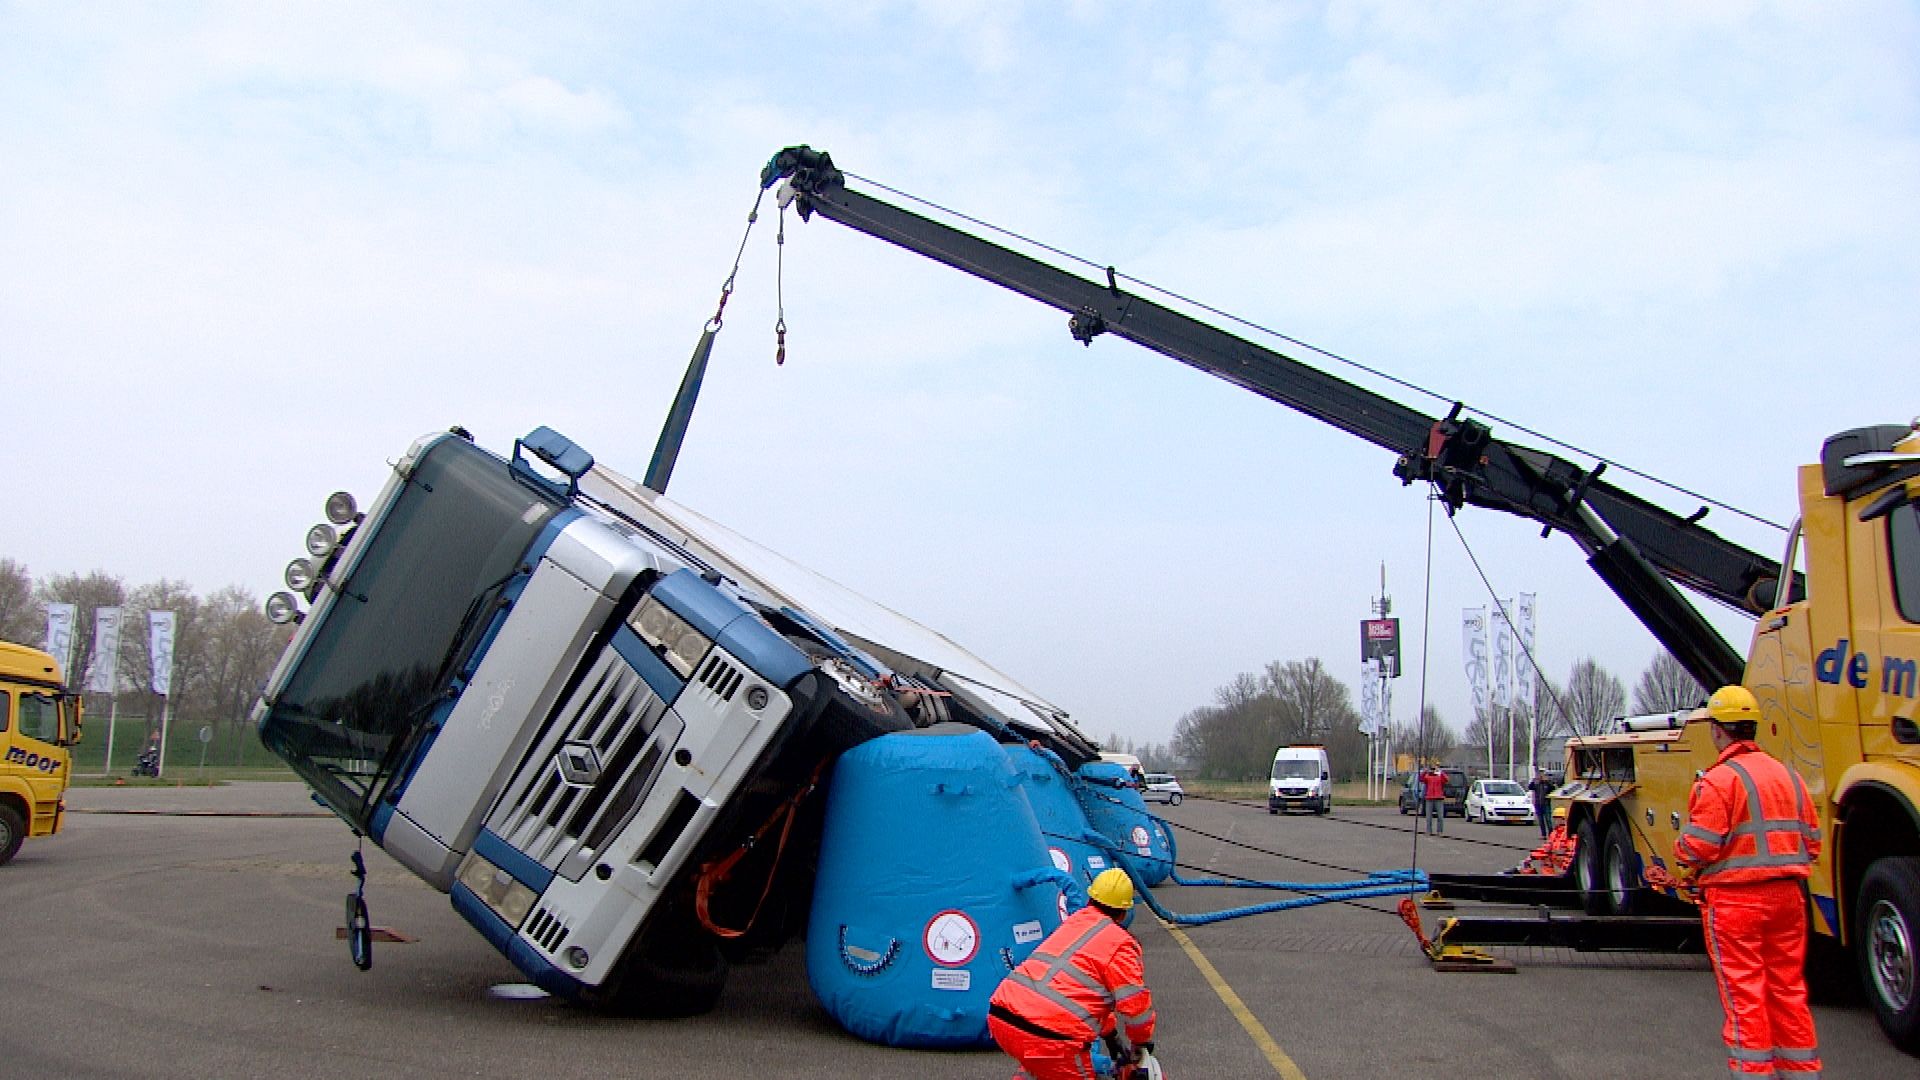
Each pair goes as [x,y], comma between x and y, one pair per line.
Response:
[1890,952]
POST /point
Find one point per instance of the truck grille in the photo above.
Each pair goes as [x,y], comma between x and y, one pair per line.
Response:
[587,773]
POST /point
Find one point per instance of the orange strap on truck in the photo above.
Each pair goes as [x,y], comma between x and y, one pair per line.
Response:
[715,873]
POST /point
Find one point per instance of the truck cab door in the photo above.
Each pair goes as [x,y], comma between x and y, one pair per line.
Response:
[34,756]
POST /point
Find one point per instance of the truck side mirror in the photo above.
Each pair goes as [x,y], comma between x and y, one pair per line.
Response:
[1323,774]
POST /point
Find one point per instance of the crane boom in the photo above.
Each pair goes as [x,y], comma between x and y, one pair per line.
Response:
[1638,549]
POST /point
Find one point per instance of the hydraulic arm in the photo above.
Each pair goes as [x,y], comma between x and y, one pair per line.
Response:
[1639,549]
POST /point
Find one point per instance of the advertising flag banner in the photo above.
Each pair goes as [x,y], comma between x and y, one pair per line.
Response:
[1369,696]
[106,651]
[1473,651]
[1523,688]
[160,638]
[60,636]
[1502,658]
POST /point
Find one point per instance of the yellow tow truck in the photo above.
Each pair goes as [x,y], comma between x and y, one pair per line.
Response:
[1833,667]
[1834,653]
[39,722]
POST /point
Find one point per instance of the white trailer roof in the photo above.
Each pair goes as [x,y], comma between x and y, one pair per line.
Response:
[756,566]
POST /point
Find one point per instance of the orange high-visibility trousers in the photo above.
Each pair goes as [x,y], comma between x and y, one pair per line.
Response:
[1042,1058]
[1757,938]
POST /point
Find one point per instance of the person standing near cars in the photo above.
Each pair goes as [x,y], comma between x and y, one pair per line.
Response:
[1541,788]
[1748,846]
[1433,798]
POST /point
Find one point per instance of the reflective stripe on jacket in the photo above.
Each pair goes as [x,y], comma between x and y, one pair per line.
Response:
[1749,819]
[1087,973]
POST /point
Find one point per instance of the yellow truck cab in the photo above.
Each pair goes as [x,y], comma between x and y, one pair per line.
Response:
[1836,672]
[39,720]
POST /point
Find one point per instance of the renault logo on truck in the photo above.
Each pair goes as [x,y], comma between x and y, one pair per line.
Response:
[579,764]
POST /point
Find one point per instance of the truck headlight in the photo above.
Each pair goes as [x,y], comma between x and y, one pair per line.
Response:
[497,889]
[680,644]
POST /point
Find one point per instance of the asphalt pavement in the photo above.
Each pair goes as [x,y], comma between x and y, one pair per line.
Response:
[190,932]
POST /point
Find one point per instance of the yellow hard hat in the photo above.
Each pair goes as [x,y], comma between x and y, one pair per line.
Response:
[1733,705]
[1113,888]
[1560,811]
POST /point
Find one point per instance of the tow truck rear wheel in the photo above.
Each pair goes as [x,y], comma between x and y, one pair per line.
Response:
[1887,938]
[1620,865]
[1587,867]
[12,831]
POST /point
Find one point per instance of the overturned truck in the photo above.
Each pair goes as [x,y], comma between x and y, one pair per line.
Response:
[570,704]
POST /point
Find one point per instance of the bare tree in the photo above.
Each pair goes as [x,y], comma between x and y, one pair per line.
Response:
[1593,698]
[1666,687]
[1311,698]
[22,618]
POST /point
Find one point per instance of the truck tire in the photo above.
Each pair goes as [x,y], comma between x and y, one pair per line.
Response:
[858,710]
[1587,867]
[1620,870]
[671,975]
[13,830]
[1887,927]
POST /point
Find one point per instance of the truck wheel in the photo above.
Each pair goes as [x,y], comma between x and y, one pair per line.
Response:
[673,975]
[1620,865]
[12,831]
[858,710]
[1887,938]
[1587,868]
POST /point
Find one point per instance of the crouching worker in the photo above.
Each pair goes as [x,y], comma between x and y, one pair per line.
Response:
[1084,981]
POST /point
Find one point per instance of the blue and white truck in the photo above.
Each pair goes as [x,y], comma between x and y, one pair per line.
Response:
[562,704]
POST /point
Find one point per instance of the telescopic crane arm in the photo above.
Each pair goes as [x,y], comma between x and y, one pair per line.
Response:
[1640,550]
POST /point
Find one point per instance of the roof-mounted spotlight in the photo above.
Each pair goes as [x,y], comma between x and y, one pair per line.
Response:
[283,608]
[299,576]
[341,509]
[321,540]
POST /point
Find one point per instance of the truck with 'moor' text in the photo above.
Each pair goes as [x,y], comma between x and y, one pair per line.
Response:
[39,721]
[546,695]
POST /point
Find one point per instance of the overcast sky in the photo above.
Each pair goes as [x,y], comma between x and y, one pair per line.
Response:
[248,252]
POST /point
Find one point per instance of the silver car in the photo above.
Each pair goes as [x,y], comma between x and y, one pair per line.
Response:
[1162,787]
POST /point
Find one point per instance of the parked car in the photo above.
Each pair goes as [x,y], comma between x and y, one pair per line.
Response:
[1162,787]
[1456,789]
[1499,800]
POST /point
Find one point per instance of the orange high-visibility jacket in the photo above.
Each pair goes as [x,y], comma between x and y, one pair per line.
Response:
[1085,974]
[1749,819]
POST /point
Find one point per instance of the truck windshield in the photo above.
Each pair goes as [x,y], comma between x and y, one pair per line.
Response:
[1296,769]
[372,669]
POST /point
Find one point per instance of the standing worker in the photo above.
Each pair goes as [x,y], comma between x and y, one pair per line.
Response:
[1750,841]
[1541,788]
[1083,977]
[1433,798]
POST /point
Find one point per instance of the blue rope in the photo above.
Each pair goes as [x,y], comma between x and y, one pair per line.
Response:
[1376,883]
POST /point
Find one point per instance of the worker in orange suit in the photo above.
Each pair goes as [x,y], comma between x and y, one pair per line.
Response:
[1083,982]
[1748,845]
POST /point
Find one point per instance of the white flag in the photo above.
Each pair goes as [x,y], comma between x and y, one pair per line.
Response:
[1369,696]
[60,635]
[1473,648]
[105,663]
[1502,658]
[160,636]
[1524,685]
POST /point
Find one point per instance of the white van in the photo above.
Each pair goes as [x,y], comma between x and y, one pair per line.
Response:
[1302,780]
